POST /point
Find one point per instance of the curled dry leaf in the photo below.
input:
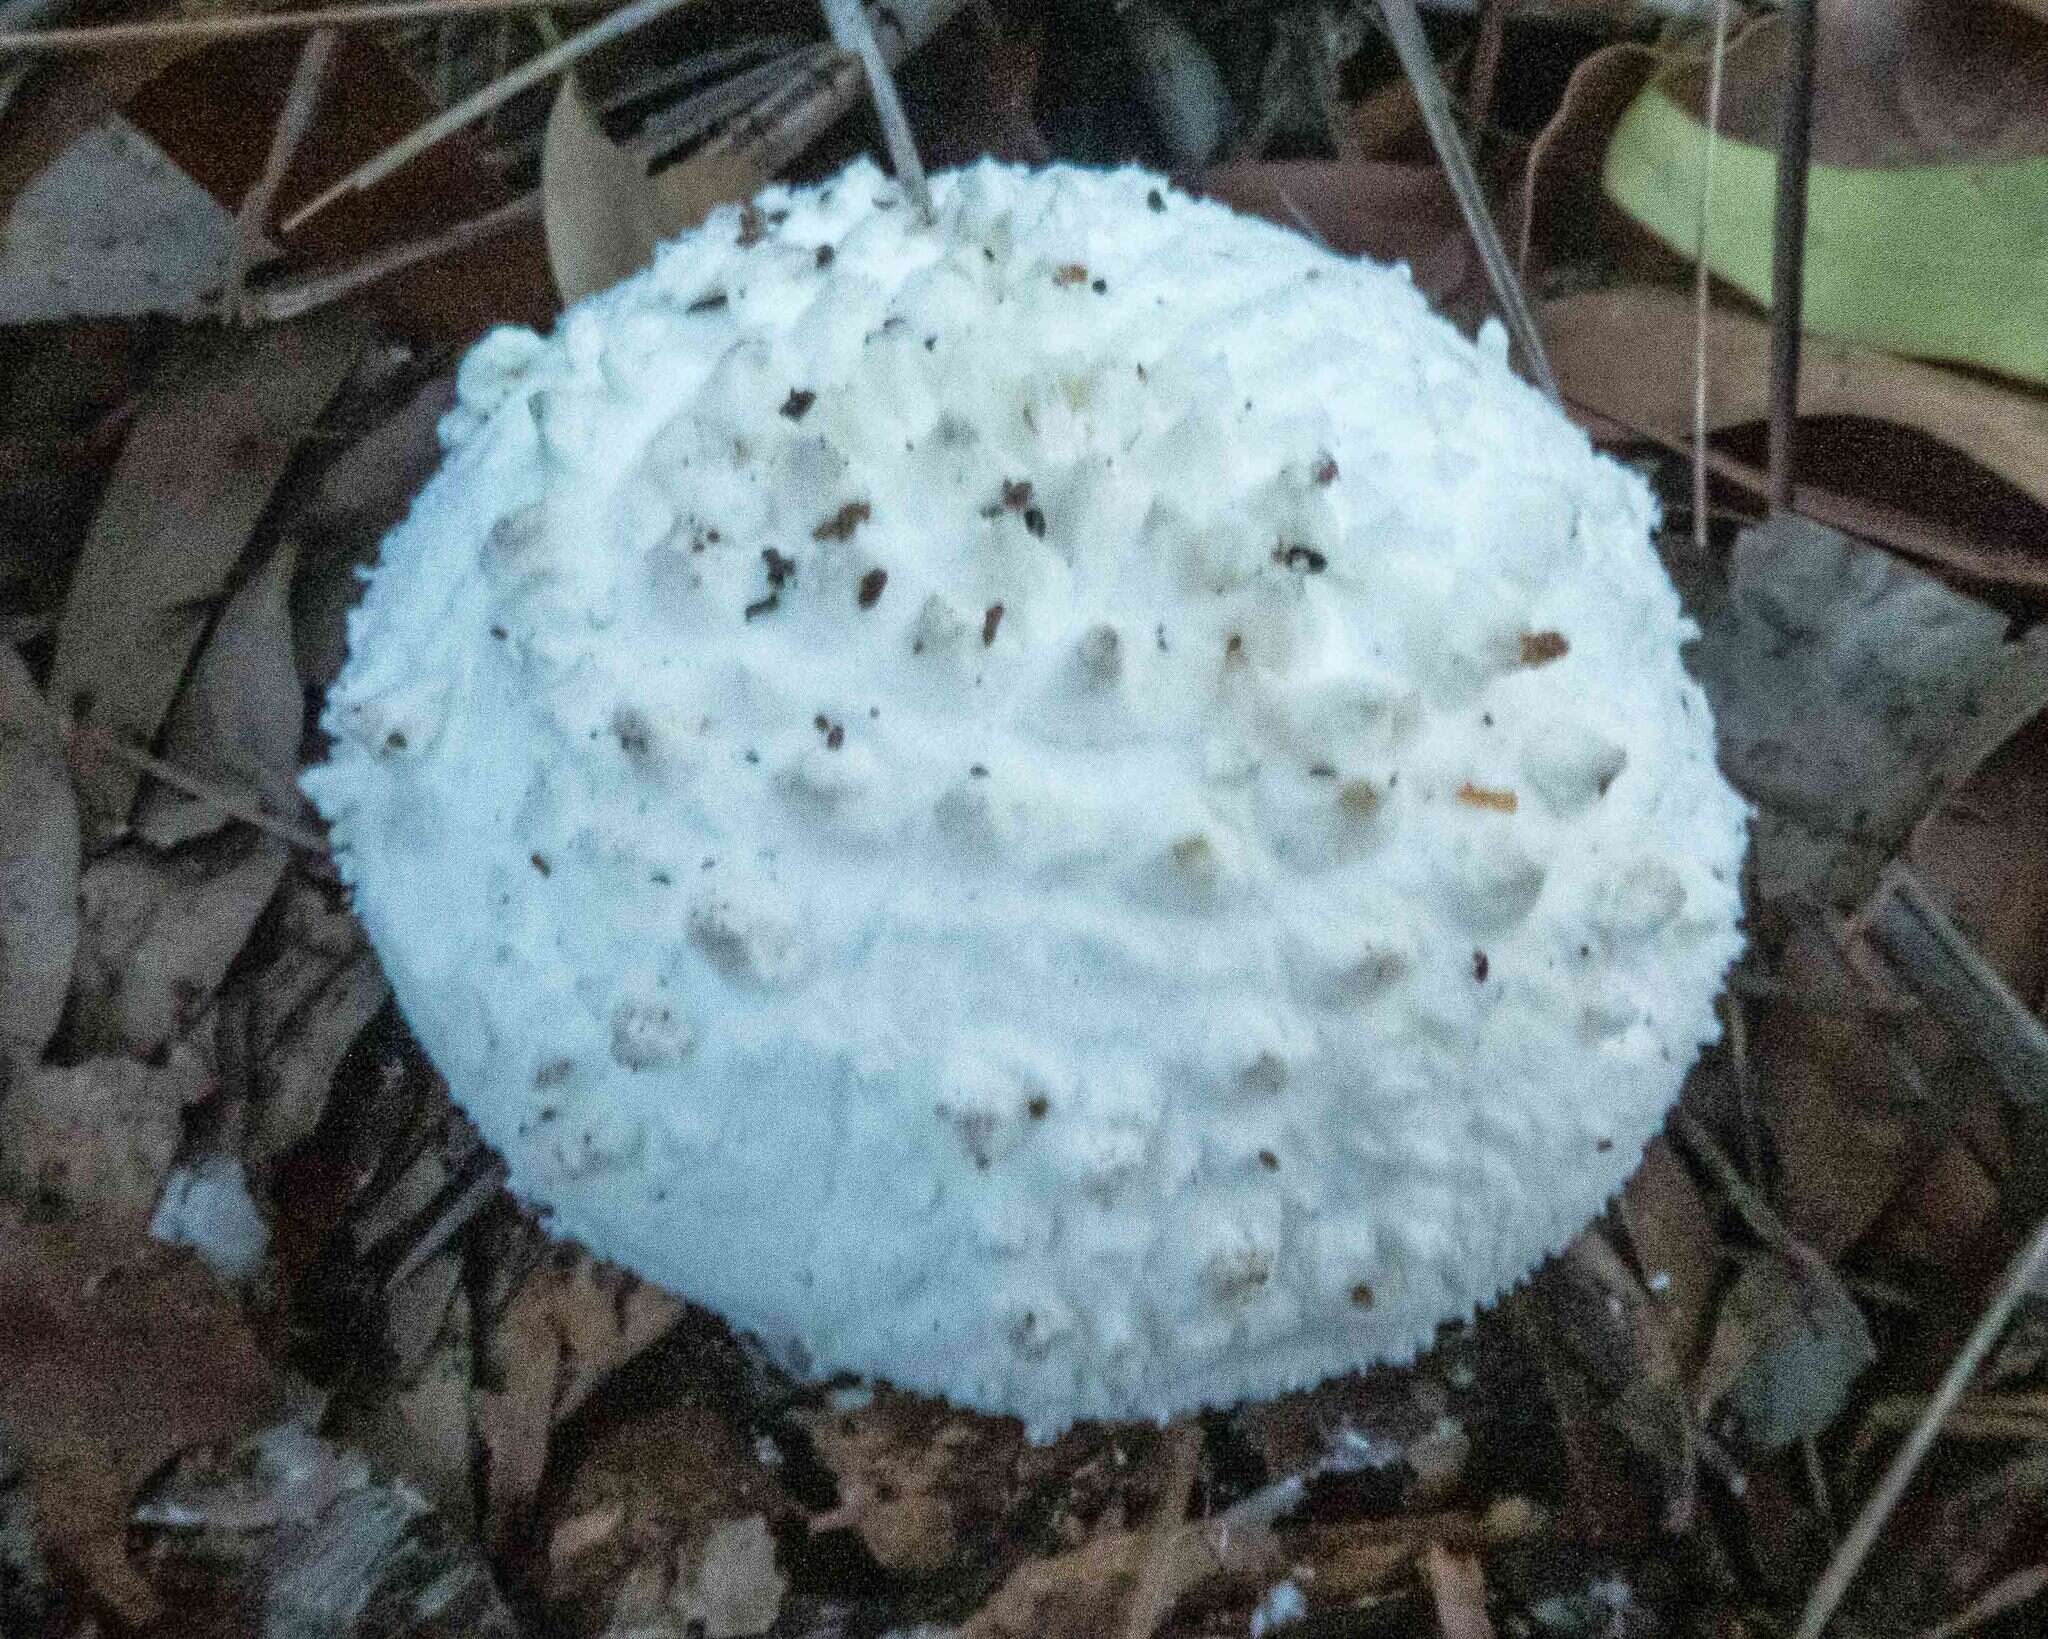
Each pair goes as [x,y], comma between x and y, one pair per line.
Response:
[38,869]
[1627,353]
[237,721]
[1559,202]
[159,936]
[604,213]
[202,459]
[1788,1347]
[115,1353]
[98,1139]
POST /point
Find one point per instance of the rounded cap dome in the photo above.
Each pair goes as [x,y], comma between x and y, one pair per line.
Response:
[1085,808]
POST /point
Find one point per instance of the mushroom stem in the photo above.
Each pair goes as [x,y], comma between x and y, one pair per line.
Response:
[850,32]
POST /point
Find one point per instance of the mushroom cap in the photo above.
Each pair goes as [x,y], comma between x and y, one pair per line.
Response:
[1084,808]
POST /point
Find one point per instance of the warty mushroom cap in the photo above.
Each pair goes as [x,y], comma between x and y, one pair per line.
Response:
[1084,808]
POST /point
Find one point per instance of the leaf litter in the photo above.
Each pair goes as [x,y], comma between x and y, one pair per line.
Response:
[1654,1420]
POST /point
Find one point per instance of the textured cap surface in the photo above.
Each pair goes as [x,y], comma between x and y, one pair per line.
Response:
[1086,809]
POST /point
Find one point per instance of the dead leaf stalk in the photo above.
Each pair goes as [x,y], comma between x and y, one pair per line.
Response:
[293,298]
[228,802]
[2022,1275]
[293,121]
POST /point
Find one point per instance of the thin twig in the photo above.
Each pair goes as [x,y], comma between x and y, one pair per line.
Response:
[235,806]
[291,298]
[1742,1194]
[2008,1593]
[1788,243]
[242,25]
[850,32]
[500,91]
[1411,45]
[1701,282]
[292,123]
[2021,1276]
[1948,975]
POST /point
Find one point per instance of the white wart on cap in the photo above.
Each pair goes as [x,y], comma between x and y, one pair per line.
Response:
[1085,809]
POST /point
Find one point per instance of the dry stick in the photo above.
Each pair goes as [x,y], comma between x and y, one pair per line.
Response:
[850,32]
[291,298]
[240,26]
[495,95]
[1411,45]
[2020,1277]
[1700,283]
[1788,244]
[1927,951]
[1749,1205]
[300,103]
[2008,1593]
[246,809]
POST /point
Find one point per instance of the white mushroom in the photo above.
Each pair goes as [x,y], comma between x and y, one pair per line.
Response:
[1083,808]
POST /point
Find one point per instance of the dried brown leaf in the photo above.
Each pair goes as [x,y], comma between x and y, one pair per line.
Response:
[1828,1100]
[1902,84]
[367,491]
[604,213]
[159,936]
[571,1323]
[114,1354]
[98,1139]
[1397,212]
[38,869]
[643,1527]
[1627,353]
[1985,853]
[297,1058]
[1457,1588]
[202,459]
[414,1422]
[237,721]
[911,1473]
[1678,1254]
